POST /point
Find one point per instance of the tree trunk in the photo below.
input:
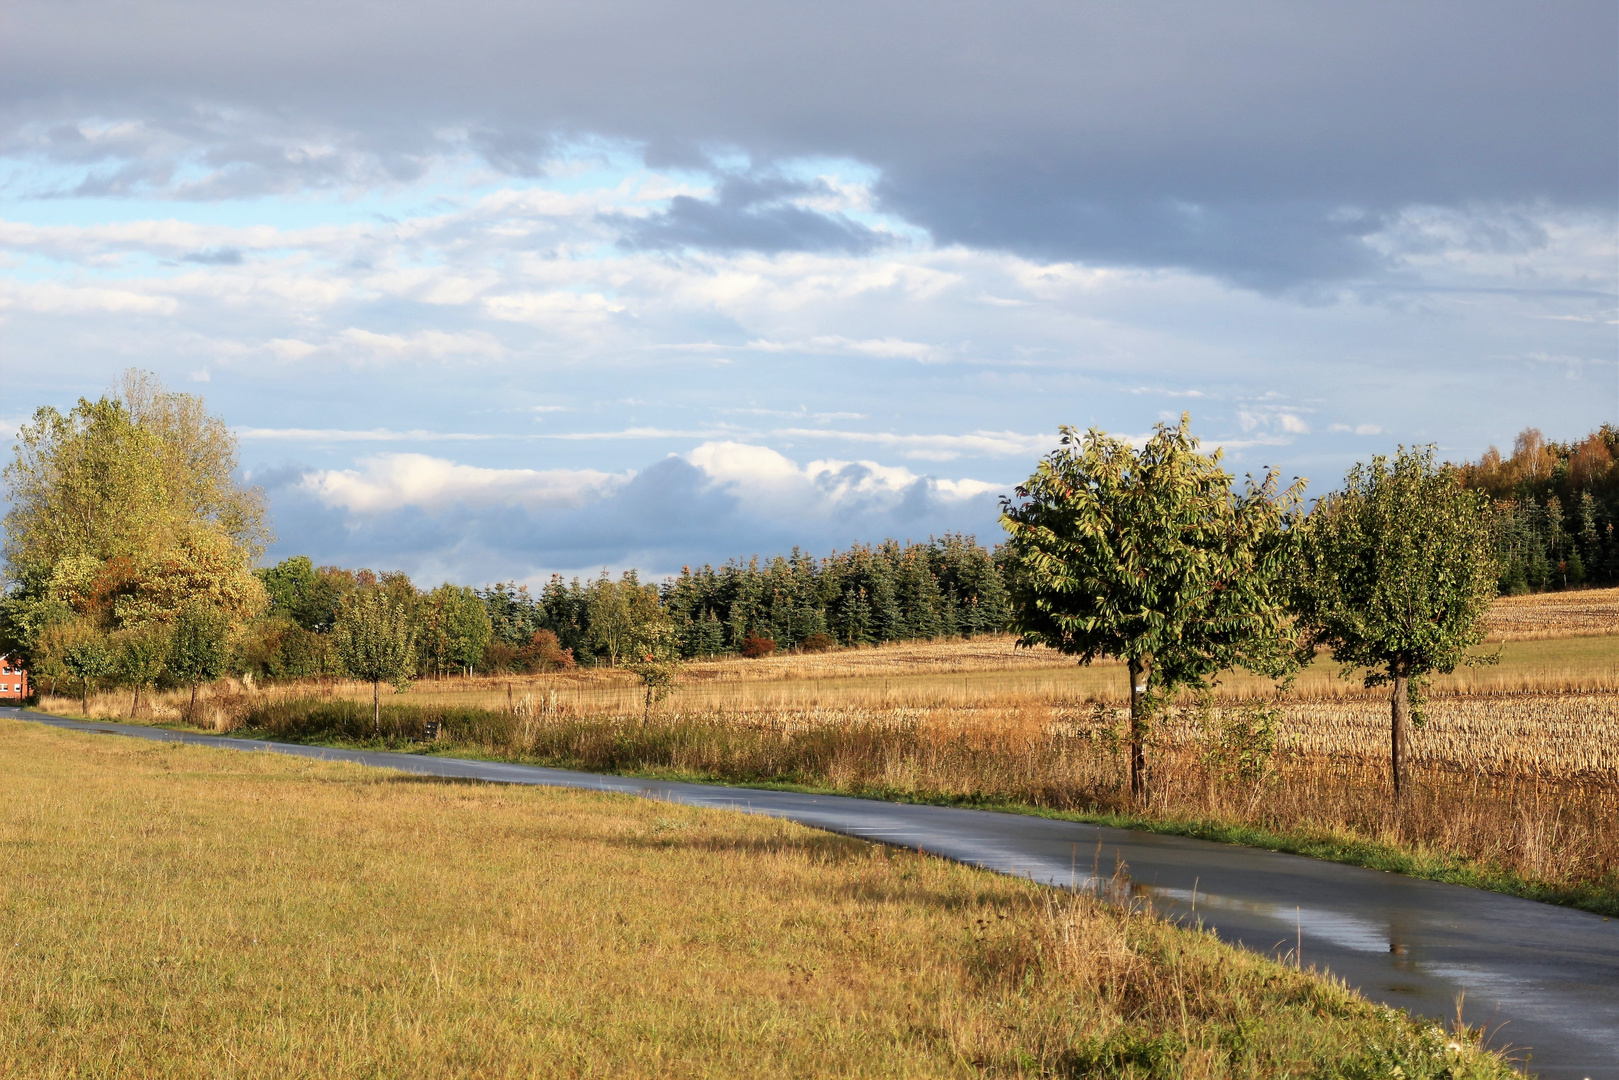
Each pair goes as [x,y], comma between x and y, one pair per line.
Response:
[191,713]
[1400,730]
[376,707]
[1140,674]
[135,701]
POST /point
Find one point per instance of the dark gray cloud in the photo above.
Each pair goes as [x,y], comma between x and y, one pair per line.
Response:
[751,214]
[1252,140]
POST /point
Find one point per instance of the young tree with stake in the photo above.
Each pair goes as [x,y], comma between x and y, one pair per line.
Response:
[1396,572]
[375,641]
[1150,557]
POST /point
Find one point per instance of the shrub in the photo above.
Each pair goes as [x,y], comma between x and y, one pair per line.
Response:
[754,646]
[500,658]
[544,652]
[818,643]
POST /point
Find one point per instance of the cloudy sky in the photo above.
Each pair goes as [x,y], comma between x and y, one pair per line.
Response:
[495,288]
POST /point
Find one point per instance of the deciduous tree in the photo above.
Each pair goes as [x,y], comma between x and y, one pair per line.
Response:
[1395,575]
[376,642]
[199,642]
[1151,557]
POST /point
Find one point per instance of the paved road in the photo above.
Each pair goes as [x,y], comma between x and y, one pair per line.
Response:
[1549,975]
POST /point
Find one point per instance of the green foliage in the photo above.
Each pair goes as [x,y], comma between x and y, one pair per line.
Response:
[89,660]
[198,643]
[374,639]
[1395,570]
[140,658]
[1395,573]
[1150,557]
[1241,741]
[1556,505]
[455,629]
[124,509]
[298,591]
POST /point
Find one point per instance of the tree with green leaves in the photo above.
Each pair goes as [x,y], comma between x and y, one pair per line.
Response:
[140,656]
[1396,571]
[456,629]
[375,641]
[89,660]
[1149,556]
[199,644]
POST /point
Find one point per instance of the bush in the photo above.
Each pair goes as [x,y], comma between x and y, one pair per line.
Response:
[818,643]
[544,652]
[500,658]
[754,646]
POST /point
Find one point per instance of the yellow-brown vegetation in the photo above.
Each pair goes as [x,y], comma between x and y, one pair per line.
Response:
[183,912]
[1517,766]
[1554,614]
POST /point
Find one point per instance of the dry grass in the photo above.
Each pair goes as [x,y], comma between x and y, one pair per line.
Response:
[939,678]
[1517,770]
[182,912]
[1555,614]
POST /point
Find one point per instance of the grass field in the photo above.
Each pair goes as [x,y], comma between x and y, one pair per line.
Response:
[182,912]
[1516,771]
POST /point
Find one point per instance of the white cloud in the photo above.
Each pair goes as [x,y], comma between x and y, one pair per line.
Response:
[1357,429]
[769,482]
[936,447]
[391,481]
[1292,424]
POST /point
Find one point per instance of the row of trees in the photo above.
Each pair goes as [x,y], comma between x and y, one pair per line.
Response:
[1555,507]
[130,549]
[865,595]
[1152,557]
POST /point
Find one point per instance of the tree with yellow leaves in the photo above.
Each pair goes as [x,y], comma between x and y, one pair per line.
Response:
[123,511]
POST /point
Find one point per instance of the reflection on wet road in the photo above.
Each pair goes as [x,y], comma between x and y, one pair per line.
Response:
[1546,977]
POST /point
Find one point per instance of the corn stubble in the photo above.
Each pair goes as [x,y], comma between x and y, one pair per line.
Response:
[181,912]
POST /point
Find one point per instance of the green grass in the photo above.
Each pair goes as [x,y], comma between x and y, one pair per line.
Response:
[179,911]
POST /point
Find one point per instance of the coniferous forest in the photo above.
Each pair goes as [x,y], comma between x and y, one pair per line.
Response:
[1555,509]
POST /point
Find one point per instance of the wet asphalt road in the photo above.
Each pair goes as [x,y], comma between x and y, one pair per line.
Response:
[1548,976]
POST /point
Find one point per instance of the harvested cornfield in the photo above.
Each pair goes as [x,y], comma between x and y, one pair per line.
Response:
[1554,614]
[1555,737]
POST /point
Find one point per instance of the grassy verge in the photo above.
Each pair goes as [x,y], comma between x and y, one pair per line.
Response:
[172,910]
[818,761]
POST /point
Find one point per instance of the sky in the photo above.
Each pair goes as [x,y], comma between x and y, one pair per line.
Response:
[491,290]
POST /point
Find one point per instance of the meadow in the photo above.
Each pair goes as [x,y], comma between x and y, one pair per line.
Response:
[186,912]
[1516,769]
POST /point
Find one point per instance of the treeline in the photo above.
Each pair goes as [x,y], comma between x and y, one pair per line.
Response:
[947,587]
[1555,508]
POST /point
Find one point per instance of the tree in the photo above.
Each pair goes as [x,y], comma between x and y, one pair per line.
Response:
[1395,574]
[122,510]
[1149,557]
[457,628]
[90,662]
[376,642]
[198,646]
[140,656]
[624,616]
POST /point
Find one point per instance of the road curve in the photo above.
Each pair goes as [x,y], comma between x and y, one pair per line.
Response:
[1548,975]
